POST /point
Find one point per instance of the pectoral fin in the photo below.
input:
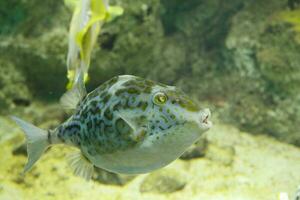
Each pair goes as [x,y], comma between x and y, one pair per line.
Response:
[138,131]
[81,165]
[139,134]
[130,122]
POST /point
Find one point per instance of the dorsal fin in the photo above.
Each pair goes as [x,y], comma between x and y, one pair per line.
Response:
[72,97]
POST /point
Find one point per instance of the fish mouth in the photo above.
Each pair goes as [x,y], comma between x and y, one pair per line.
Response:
[204,119]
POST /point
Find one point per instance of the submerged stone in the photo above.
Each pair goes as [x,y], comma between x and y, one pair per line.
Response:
[163,181]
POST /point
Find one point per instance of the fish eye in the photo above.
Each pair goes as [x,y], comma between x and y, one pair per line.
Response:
[160,98]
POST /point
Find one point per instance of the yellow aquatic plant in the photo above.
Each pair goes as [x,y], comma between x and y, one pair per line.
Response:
[88,17]
[71,4]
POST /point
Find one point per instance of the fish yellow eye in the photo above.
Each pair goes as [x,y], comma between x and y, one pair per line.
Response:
[160,98]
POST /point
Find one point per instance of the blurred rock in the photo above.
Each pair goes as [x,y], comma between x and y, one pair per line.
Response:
[20,150]
[223,155]
[109,178]
[42,61]
[10,193]
[9,132]
[163,181]
[278,58]
[13,90]
[36,42]
[197,150]
[33,18]
[265,54]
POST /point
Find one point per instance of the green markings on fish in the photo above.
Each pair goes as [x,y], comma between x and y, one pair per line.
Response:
[127,125]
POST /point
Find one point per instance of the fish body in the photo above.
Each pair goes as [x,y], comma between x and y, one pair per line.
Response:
[132,125]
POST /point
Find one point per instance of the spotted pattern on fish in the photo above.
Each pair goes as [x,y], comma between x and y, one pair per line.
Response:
[97,124]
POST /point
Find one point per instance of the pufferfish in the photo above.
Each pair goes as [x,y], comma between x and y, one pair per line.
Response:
[128,125]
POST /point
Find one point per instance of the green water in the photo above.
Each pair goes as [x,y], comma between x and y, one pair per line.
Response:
[240,59]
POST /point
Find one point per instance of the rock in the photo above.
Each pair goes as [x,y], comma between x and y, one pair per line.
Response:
[10,193]
[9,132]
[38,45]
[20,150]
[109,178]
[263,54]
[13,90]
[223,155]
[197,150]
[277,56]
[163,181]
[293,4]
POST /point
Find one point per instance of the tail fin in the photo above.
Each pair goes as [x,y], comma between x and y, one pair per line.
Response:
[37,142]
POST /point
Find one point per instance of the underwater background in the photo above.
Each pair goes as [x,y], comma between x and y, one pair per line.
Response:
[239,58]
